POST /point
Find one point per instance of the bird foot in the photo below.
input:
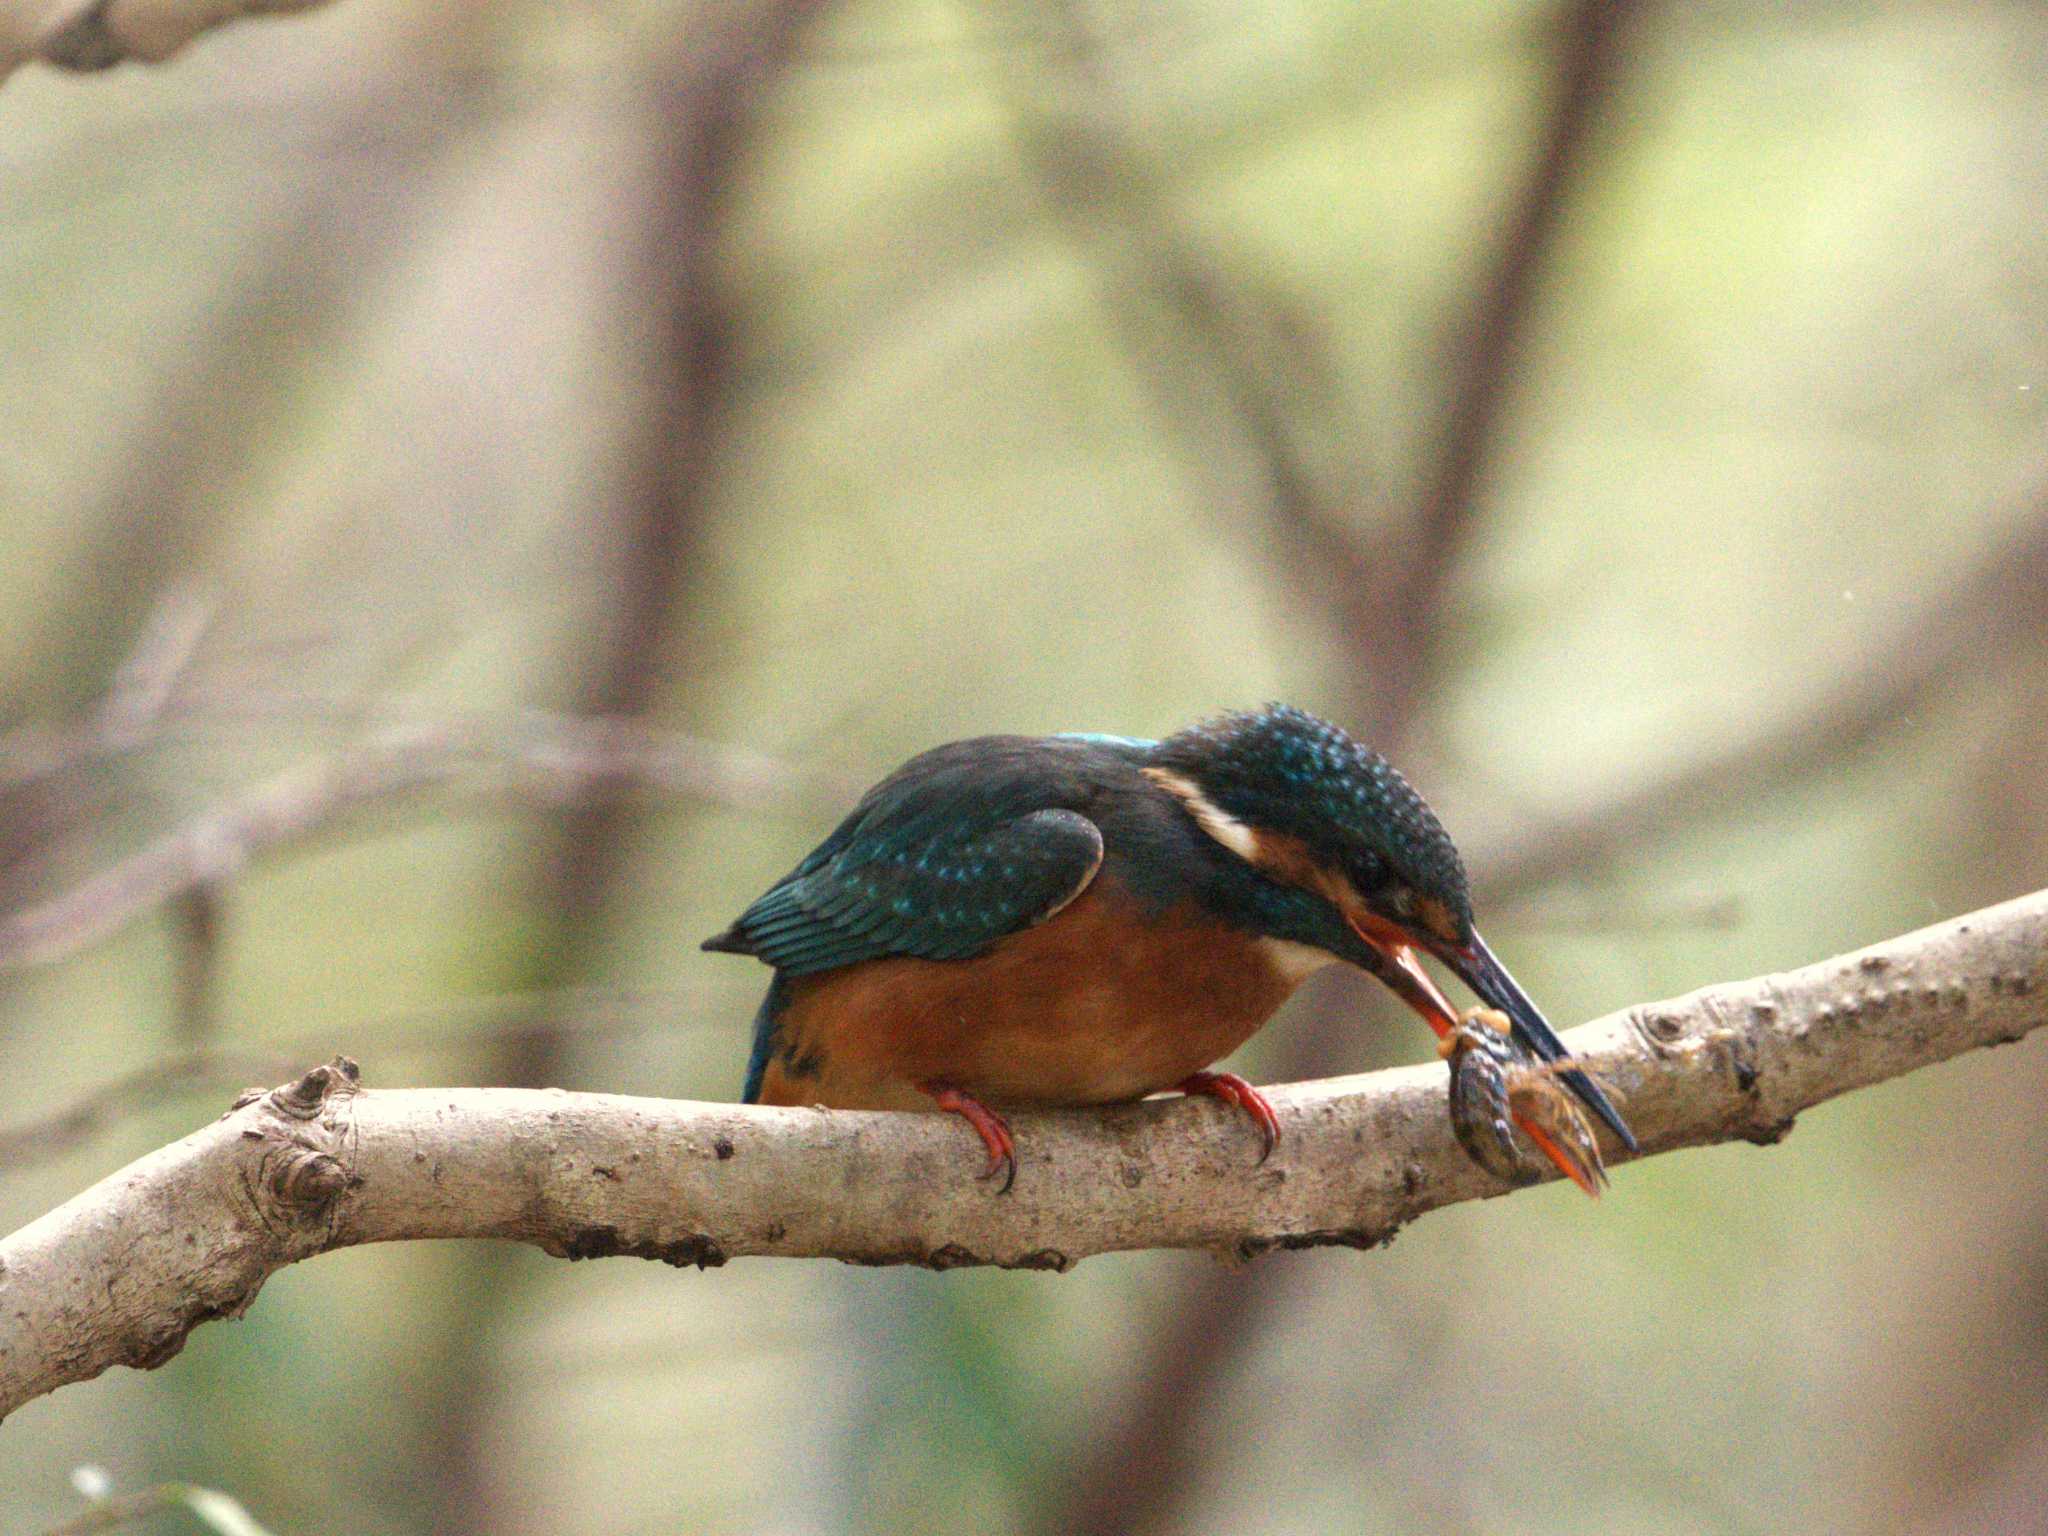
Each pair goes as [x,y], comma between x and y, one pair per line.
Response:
[1497,1088]
[995,1135]
[1232,1089]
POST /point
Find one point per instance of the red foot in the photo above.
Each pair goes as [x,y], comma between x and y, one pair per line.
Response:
[1232,1089]
[1002,1150]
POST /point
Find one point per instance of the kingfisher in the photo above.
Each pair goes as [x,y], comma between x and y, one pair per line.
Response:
[1016,922]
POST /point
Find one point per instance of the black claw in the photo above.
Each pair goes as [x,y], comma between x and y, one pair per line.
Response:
[1006,1166]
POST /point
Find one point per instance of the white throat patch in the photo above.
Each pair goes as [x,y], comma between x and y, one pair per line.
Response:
[1293,963]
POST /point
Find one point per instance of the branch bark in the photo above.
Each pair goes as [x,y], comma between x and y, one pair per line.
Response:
[124,1272]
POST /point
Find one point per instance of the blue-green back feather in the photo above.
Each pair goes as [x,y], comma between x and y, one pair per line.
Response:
[962,846]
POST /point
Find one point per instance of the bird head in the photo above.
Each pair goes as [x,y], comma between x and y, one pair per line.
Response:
[1307,807]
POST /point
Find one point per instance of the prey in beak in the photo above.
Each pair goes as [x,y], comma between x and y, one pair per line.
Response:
[1507,1064]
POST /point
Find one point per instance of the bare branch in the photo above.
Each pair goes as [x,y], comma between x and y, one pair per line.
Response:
[98,34]
[701,119]
[1193,335]
[147,679]
[217,1510]
[123,1273]
[197,919]
[550,757]
[1483,367]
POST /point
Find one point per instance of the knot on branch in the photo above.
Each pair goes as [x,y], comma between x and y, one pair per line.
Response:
[303,1127]
[305,1180]
[306,1097]
[1661,1028]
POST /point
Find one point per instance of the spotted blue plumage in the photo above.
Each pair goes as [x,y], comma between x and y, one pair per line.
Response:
[1283,768]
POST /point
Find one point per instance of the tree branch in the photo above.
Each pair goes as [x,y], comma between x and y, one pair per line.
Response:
[98,34]
[123,1273]
[548,756]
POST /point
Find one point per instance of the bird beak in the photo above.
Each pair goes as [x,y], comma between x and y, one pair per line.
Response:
[1394,948]
[1489,980]
[1475,965]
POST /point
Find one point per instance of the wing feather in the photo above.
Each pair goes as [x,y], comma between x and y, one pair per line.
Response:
[922,882]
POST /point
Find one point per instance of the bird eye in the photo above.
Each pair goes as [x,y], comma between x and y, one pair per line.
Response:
[1369,877]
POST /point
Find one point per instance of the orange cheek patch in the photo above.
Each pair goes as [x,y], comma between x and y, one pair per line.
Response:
[1288,860]
[1437,918]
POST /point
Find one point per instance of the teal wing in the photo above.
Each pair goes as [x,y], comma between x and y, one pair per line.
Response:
[936,893]
[959,847]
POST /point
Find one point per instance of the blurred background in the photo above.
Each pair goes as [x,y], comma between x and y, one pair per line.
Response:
[1632,418]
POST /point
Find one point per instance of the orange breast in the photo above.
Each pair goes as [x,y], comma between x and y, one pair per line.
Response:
[1098,1004]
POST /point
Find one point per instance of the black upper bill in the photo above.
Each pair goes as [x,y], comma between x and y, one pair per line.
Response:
[1490,981]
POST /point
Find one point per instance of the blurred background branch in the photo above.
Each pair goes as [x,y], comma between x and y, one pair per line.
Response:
[490,1022]
[1398,581]
[98,34]
[699,112]
[550,759]
[1987,621]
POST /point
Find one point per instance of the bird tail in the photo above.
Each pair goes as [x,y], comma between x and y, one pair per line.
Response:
[767,1025]
[733,941]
